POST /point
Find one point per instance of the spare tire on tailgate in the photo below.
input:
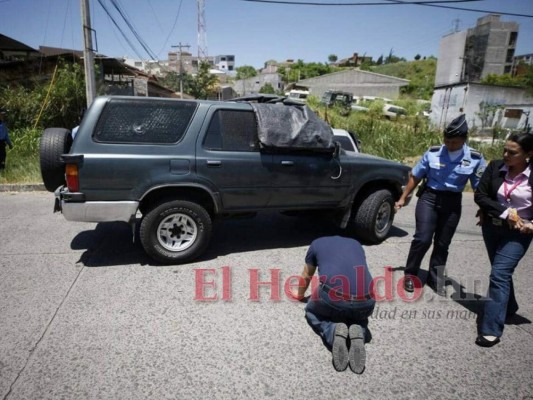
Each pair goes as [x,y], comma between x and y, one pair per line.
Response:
[54,143]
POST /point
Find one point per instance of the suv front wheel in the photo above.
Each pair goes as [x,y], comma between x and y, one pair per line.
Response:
[176,231]
[374,216]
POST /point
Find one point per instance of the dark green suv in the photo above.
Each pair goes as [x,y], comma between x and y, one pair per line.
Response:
[180,164]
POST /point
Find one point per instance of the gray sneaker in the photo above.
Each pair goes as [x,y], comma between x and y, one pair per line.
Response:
[340,350]
[357,352]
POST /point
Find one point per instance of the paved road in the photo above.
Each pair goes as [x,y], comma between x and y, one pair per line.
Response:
[86,315]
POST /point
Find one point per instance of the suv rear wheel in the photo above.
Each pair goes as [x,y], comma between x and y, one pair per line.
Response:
[374,216]
[176,231]
[54,142]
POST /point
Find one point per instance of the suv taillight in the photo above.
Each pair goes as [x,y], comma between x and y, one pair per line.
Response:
[71,173]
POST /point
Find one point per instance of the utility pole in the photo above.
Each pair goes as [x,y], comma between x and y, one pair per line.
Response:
[88,52]
[180,46]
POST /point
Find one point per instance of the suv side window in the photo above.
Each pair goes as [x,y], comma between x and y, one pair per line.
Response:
[158,122]
[231,130]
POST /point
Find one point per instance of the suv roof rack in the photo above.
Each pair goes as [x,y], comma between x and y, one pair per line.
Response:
[267,98]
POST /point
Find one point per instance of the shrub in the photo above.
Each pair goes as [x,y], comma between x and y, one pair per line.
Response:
[22,164]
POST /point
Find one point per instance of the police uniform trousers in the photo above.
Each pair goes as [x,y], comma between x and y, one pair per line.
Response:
[437,216]
[2,154]
[323,311]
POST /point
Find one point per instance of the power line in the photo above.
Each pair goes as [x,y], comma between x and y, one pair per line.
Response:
[133,30]
[463,9]
[430,3]
[171,29]
[119,29]
[385,3]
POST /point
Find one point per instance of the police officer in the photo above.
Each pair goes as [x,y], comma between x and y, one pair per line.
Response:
[4,139]
[445,170]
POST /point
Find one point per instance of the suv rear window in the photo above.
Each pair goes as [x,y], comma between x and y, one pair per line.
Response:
[126,121]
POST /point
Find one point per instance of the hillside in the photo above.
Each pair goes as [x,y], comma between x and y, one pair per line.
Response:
[421,75]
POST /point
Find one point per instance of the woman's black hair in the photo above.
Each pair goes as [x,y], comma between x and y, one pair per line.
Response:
[523,139]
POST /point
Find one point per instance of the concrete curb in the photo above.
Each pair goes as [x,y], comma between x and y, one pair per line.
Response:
[22,187]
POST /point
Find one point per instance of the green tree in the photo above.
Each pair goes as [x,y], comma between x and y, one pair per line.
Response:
[380,60]
[267,88]
[314,69]
[203,84]
[418,57]
[332,58]
[245,72]
[527,79]
[45,104]
[502,80]
[171,81]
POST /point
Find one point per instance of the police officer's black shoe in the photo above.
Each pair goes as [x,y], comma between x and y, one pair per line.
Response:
[408,284]
[440,289]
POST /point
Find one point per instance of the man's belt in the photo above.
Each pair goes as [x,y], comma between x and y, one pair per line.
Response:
[347,297]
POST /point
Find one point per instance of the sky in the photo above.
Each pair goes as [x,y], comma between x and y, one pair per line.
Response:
[253,31]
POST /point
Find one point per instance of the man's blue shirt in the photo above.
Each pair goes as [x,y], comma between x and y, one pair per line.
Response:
[340,260]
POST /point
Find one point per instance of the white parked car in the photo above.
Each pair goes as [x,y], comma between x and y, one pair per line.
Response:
[357,108]
[390,111]
[348,142]
[298,95]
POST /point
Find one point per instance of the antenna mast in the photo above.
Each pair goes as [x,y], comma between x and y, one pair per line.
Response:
[202,38]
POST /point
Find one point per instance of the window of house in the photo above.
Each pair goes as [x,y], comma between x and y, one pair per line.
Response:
[512,38]
[231,130]
[510,55]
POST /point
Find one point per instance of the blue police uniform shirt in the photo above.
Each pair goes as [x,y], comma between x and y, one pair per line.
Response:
[340,260]
[444,174]
[4,134]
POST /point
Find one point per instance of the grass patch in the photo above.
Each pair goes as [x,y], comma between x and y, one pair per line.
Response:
[22,162]
[404,140]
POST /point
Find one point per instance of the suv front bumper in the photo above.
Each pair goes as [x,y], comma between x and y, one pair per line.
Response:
[93,211]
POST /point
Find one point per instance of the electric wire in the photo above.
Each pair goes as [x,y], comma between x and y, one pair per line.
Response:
[464,9]
[158,22]
[119,29]
[430,3]
[171,29]
[382,3]
[133,30]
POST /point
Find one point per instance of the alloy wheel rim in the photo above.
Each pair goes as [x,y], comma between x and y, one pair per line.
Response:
[177,232]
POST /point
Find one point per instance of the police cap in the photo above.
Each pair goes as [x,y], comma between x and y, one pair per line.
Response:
[457,128]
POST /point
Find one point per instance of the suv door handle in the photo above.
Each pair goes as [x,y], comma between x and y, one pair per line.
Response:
[287,163]
[214,163]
